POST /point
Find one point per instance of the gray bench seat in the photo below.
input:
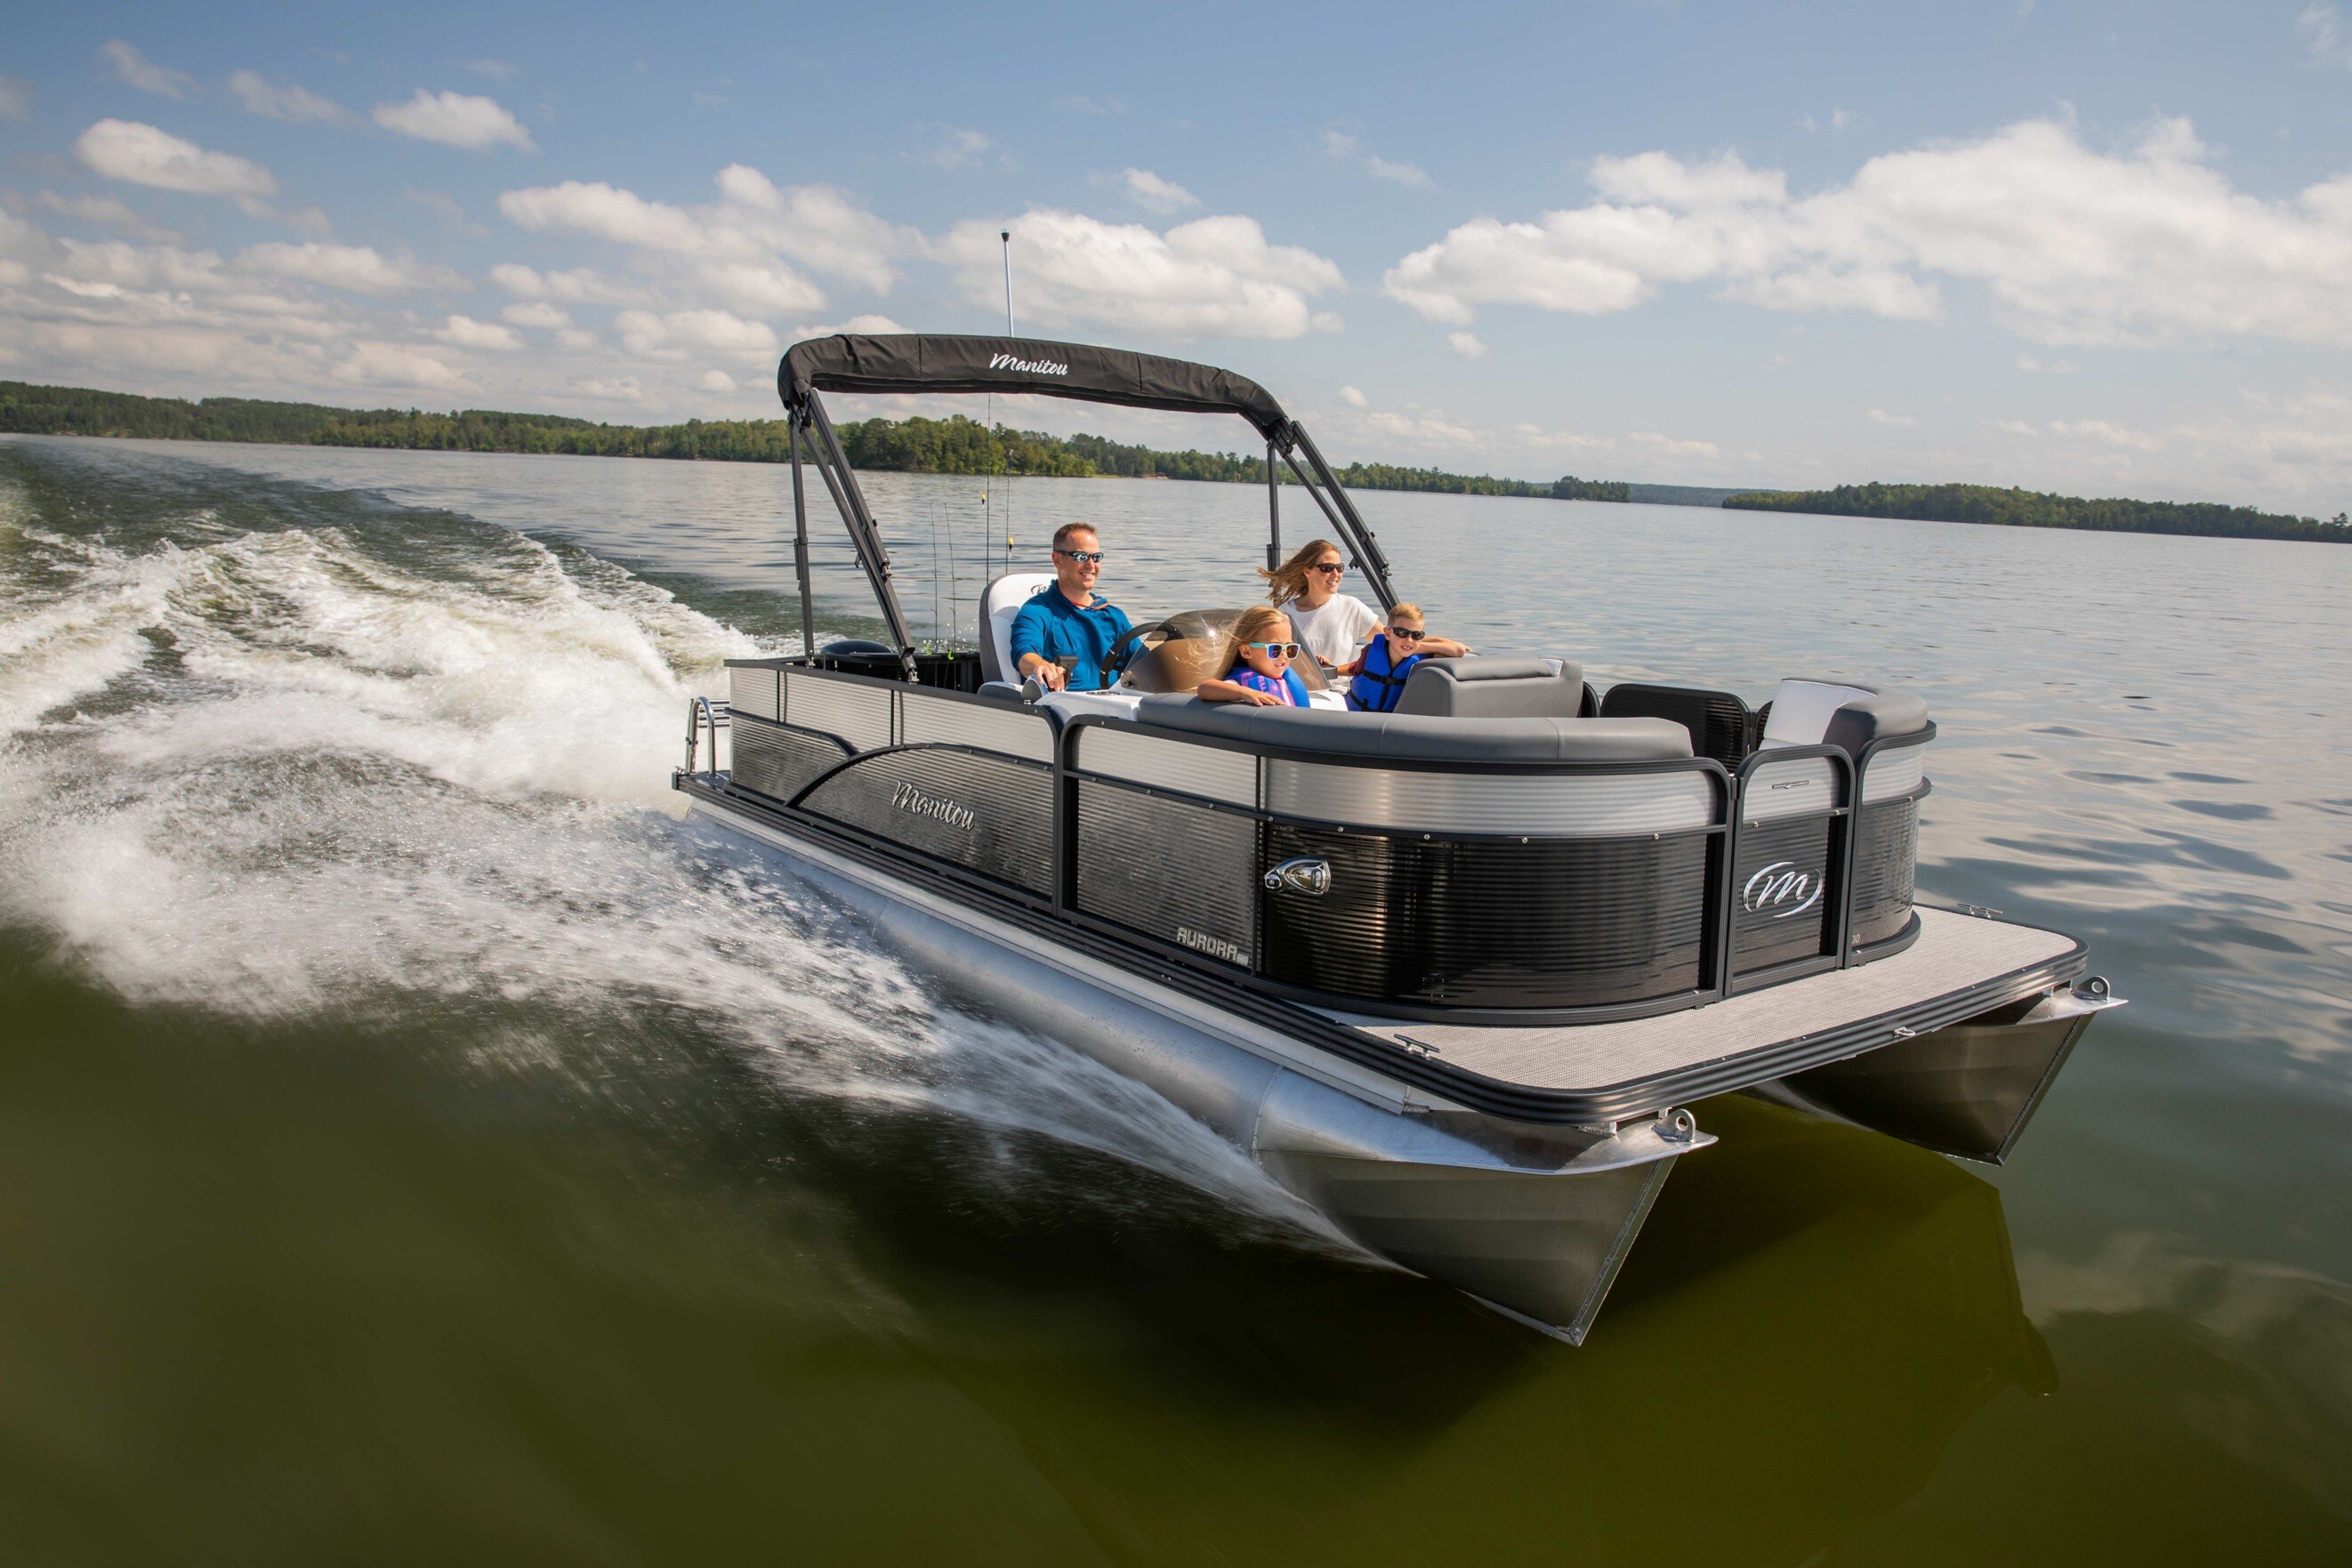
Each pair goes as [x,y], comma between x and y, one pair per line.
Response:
[1418,738]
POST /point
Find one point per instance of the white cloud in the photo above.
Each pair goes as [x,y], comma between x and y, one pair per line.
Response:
[143,73]
[575,339]
[2015,427]
[453,119]
[143,155]
[536,313]
[465,332]
[447,208]
[717,382]
[2105,432]
[111,210]
[683,334]
[1669,446]
[1899,420]
[1466,344]
[1215,276]
[357,267]
[2072,245]
[730,254]
[1154,194]
[274,100]
[1347,148]
[604,212]
[864,324]
[16,98]
[962,148]
[2326,40]
[611,389]
[579,286]
[1401,174]
[1838,120]
[1353,398]
[378,364]
[2034,367]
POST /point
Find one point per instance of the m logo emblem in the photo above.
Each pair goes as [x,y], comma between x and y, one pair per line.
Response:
[1782,889]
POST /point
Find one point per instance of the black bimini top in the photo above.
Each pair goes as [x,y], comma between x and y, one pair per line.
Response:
[928,362]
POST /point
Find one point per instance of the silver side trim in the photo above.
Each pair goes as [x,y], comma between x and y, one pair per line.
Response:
[753,692]
[1894,772]
[860,714]
[926,720]
[1211,772]
[1588,806]
[1801,787]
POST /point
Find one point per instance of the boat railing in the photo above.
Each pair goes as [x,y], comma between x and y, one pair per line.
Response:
[705,716]
[1697,881]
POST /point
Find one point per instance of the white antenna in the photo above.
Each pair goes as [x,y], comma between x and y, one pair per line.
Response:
[1004,236]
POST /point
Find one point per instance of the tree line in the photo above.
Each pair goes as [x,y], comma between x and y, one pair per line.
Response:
[2035,509]
[954,445]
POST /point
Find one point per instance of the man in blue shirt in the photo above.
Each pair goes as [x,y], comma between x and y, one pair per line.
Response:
[1067,620]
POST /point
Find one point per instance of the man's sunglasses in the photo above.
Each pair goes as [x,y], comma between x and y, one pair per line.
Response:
[1407,633]
[1083,557]
[1276,650]
[1333,567]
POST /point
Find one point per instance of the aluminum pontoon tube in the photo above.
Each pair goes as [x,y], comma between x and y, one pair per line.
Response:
[1534,1221]
[1966,1090]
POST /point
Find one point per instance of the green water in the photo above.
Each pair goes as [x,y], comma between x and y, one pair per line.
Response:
[417,1145]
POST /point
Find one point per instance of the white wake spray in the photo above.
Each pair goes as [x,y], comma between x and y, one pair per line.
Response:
[277,773]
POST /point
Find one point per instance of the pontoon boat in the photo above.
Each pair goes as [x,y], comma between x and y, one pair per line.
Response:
[1450,973]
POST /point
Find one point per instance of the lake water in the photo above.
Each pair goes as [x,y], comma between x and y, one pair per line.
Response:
[388,1170]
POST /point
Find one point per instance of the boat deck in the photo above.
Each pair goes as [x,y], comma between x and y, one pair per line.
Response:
[1963,962]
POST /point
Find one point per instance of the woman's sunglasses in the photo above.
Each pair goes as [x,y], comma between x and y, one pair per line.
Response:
[1407,633]
[1276,650]
[1333,567]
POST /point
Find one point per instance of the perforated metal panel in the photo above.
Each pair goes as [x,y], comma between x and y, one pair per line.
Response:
[1781,910]
[1886,866]
[1182,873]
[858,712]
[1553,924]
[753,690]
[778,761]
[1548,805]
[925,720]
[993,815]
[1209,771]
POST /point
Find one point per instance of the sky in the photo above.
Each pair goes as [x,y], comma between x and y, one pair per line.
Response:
[2097,249]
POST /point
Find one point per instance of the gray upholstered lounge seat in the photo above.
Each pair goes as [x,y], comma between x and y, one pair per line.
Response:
[1841,714]
[1494,688]
[1418,737]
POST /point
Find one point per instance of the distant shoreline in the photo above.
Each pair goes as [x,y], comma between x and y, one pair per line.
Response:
[960,447]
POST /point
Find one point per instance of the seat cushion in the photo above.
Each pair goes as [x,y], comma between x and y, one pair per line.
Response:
[1494,688]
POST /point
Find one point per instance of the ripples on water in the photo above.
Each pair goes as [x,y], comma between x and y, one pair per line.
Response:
[364,754]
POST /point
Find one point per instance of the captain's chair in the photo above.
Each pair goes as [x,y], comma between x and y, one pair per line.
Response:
[1000,601]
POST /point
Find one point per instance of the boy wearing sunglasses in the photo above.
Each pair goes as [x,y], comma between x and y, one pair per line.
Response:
[1381,669]
[1256,659]
[1061,635]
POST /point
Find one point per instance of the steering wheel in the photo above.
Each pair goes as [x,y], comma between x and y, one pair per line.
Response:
[1122,649]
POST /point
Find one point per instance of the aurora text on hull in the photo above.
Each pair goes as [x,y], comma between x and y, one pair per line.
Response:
[1453,973]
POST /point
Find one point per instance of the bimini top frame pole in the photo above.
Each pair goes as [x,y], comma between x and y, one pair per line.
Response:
[923,363]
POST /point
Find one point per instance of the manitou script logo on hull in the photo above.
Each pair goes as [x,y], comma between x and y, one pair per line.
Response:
[1027,367]
[913,801]
[1214,946]
[1782,889]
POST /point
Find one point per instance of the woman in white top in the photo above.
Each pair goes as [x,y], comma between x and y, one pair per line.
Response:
[1330,624]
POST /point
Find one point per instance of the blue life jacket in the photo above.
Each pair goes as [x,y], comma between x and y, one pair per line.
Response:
[1292,688]
[1377,686]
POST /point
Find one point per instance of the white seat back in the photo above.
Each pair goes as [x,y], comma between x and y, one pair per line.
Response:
[1000,601]
[1801,710]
